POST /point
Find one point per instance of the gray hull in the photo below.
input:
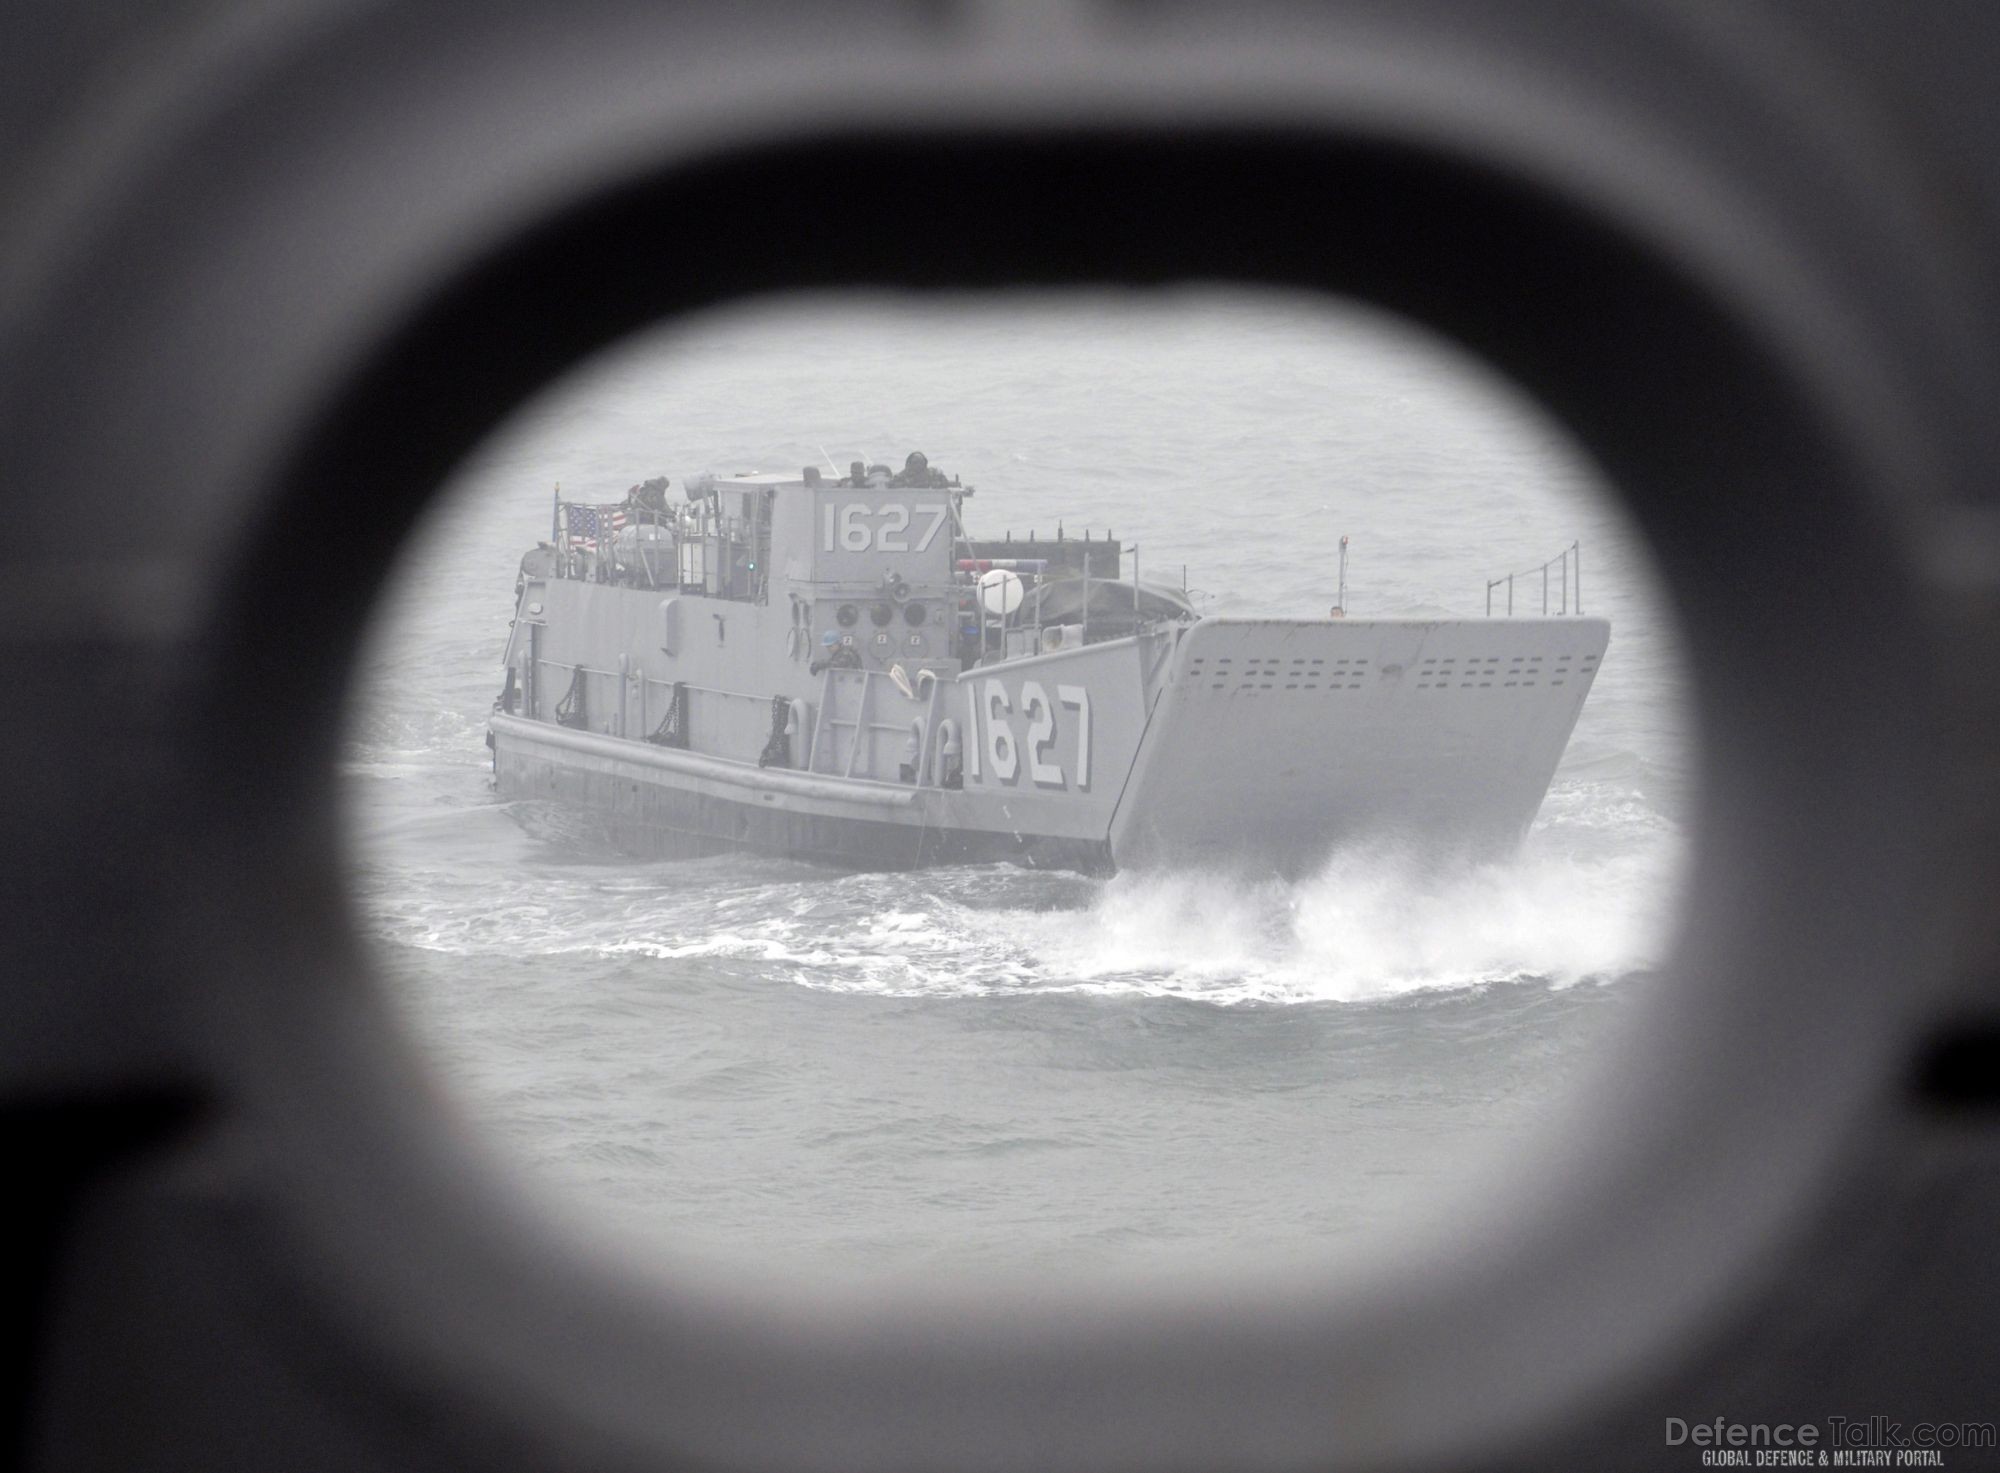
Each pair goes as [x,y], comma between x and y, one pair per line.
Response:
[661,803]
[1271,742]
[1260,744]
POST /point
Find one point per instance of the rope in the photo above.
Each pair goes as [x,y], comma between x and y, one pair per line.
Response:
[672,730]
[777,750]
[570,709]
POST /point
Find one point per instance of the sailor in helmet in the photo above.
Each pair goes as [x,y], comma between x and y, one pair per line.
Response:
[917,471]
[649,496]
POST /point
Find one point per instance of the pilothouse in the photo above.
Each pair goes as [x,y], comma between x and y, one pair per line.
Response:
[833,668]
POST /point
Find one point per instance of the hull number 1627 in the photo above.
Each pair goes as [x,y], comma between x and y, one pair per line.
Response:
[1003,750]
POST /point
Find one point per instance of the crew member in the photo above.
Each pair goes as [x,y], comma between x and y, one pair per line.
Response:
[839,656]
[913,750]
[918,471]
[649,496]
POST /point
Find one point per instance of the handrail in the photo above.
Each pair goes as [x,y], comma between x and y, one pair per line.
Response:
[701,764]
[705,690]
[1569,583]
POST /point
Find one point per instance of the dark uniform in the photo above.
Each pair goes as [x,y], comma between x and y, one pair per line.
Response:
[650,496]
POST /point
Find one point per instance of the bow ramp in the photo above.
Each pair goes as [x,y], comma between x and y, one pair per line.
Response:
[1271,742]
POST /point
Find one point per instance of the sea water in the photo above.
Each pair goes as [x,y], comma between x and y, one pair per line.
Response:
[989,1065]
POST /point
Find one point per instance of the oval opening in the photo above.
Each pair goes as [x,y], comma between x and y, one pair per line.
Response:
[1012,1058]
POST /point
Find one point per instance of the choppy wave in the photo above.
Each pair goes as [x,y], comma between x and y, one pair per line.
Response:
[1371,924]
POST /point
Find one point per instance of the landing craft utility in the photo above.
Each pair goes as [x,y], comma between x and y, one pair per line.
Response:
[835,670]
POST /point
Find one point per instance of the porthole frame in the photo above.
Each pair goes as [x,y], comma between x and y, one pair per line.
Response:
[1716,360]
[1417,1313]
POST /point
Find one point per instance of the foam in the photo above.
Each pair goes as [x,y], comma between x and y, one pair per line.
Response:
[1586,899]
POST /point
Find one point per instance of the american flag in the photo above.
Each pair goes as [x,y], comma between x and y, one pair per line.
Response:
[584,525]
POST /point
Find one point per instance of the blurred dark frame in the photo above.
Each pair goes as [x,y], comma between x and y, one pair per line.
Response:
[261,1240]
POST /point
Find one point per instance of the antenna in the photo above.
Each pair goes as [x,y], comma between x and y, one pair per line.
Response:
[829,462]
[1340,599]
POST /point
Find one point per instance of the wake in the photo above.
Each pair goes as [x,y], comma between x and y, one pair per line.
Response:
[1586,899]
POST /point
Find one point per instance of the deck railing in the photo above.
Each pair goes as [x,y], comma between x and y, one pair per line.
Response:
[1567,567]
